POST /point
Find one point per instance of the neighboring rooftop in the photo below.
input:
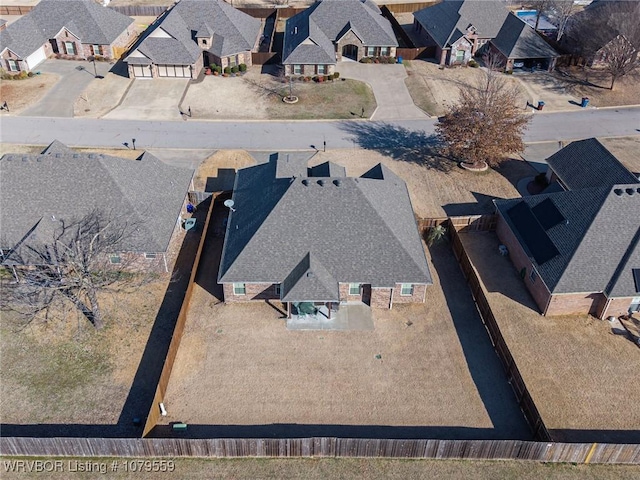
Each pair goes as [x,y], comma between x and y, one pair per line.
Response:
[61,183]
[310,35]
[517,39]
[341,229]
[588,163]
[173,40]
[90,22]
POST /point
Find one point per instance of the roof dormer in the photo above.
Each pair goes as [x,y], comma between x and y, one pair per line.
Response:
[204,37]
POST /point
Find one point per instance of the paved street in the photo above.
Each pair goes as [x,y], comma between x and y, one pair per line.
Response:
[290,135]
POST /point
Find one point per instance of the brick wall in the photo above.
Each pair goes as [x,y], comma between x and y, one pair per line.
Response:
[520,260]
[9,55]
[616,307]
[381,297]
[344,294]
[65,36]
[308,70]
[574,304]
[417,296]
[254,291]
[349,38]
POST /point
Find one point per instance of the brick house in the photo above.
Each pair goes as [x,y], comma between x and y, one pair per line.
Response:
[69,29]
[461,30]
[313,238]
[330,30]
[61,184]
[192,35]
[578,250]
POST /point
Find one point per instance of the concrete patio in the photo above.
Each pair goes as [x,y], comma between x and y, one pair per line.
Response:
[348,316]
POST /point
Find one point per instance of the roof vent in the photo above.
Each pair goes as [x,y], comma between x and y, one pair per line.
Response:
[305,182]
[321,183]
[24,159]
[309,274]
[91,155]
[75,155]
[618,192]
[295,30]
[337,183]
[630,191]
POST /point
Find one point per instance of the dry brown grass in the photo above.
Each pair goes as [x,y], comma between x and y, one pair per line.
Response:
[626,149]
[101,96]
[8,148]
[234,159]
[20,94]
[581,376]
[239,365]
[64,371]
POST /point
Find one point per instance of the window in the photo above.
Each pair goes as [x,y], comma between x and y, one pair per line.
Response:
[297,69]
[70,48]
[115,258]
[384,51]
[239,289]
[406,289]
[13,65]
[322,69]
[95,49]
[635,305]
[533,275]
[149,256]
[204,41]
[354,289]
[371,51]
[459,55]
[233,61]
[278,289]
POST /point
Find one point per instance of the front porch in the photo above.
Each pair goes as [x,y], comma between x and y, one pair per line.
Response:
[329,316]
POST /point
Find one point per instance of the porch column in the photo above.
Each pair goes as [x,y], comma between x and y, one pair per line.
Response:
[288,309]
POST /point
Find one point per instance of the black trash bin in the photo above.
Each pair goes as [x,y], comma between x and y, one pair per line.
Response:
[585,102]
[540,105]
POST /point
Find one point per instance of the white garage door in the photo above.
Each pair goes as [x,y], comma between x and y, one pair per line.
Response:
[141,71]
[181,71]
[36,58]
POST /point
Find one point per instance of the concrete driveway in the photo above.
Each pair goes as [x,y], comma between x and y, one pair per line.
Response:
[75,77]
[151,99]
[387,82]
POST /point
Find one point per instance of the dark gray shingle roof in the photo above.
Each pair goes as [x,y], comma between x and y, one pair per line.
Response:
[64,183]
[360,230]
[447,21]
[310,281]
[519,40]
[597,245]
[309,36]
[587,163]
[92,23]
[233,32]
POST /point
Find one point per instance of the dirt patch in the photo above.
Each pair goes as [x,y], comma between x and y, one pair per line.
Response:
[20,94]
[579,373]
[65,372]
[259,96]
[626,149]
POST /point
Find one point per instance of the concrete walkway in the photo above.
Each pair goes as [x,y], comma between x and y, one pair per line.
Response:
[387,82]
[156,99]
[75,76]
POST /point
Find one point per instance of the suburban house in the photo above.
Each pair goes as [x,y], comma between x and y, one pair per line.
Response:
[578,250]
[39,190]
[314,238]
[192,35]
[332,30]
[70,29]
[461,30]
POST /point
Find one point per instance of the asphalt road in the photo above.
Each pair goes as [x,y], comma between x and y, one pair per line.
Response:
[293,135]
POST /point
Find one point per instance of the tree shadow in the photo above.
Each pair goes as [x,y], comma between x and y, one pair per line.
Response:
[514,169]
[399,143]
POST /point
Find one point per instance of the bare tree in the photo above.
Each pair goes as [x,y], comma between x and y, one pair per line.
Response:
[542,7]
[67,263]
[562,12]
[609,34]
[486,123]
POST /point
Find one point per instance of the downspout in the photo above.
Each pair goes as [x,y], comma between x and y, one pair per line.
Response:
[391,299]
[166,267]
[606,307]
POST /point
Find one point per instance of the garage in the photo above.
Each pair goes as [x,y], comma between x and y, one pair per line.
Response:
[36,58]
[141,71]
[182,71]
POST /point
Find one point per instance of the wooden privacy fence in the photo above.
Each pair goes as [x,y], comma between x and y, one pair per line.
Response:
[417,52]
[523,396]
[397,28]
[323,447]
[161,389]
[15,9]
[140,10]
[477,223]
[409,7]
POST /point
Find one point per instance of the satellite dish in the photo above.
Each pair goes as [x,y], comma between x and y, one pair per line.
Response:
[229,204]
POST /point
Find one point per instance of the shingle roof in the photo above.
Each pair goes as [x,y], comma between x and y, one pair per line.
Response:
[447,21]
[309,36]
[90,22]
[359,230]
[232,30]
[310,281]
[64,183]
[587,163]
[519,40]
[597,244]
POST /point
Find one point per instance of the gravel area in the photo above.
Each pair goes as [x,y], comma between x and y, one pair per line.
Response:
[582,376]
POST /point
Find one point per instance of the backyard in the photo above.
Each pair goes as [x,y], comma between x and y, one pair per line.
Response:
[580,372]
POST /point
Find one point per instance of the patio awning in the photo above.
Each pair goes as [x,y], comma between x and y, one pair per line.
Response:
[309,281]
